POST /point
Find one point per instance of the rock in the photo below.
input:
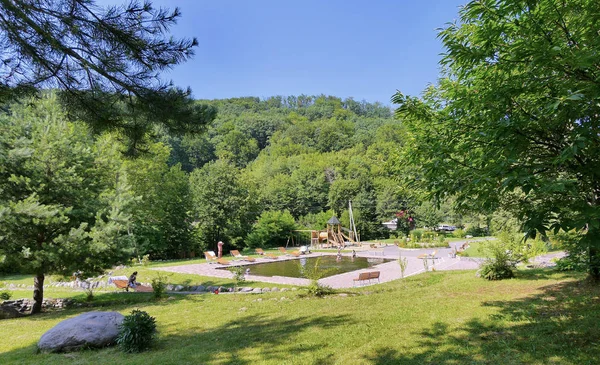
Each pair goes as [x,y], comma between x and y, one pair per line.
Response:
[88,330]
[169,287]
[274,288]
[257,290]
[178,288]
[264,290]
[246,290]
[343,295]
[294,288]
[7,312]
[200,288]
[284,289]
[211,288]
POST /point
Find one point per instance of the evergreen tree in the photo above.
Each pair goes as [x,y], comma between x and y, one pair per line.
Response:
[105,62]
[62,209]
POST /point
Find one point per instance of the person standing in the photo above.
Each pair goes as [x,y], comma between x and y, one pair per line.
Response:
[220,247]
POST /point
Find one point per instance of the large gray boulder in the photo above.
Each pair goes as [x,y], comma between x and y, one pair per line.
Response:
[88,330]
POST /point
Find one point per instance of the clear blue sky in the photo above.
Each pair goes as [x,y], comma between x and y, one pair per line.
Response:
[364,49]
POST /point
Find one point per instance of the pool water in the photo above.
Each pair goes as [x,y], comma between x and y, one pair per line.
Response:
[329,263]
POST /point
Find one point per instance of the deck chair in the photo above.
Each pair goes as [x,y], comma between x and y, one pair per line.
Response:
[222,261]
[304,250]
[285,252]
[236,254]
[432,255]
[121,283]
[260,251]
[210,256]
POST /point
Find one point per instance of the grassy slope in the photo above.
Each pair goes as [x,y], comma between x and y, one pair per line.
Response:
[453,317]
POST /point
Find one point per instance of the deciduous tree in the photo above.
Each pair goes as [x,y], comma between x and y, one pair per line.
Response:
[515,120]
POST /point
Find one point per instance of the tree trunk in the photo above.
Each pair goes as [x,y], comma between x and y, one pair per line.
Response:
[594,265]
[38,293]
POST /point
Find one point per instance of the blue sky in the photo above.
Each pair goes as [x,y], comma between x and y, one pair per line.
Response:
[363,49]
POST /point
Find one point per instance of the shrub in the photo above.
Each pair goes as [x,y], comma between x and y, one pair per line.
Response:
[417,234]
[239,275]
[89,293]
[159,286]
[271,229]
[504,255]
[137,332]
[403,262]
[459,233]
[5,295]
[476,231]
[314,274]
[573,262]
[146,260]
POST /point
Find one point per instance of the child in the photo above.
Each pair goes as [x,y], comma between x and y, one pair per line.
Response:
[132,280]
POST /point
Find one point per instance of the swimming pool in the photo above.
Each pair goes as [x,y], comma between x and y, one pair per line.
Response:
[329,263]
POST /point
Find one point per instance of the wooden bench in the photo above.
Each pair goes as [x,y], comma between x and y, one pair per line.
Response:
[366,277]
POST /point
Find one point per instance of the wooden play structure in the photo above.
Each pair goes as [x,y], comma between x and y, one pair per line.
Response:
[334,236]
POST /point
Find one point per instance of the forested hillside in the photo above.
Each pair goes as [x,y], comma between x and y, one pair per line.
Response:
[261,169]
[306,155]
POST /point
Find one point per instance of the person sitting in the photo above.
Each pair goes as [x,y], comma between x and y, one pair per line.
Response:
[131,283]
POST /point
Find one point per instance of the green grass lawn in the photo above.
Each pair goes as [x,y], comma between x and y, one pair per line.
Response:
[541,317]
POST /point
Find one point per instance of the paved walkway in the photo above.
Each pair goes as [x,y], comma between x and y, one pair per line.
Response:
[388,271]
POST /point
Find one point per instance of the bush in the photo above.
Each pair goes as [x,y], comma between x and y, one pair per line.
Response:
[137,332]
[314,274]
[573,262]
[476,231]
[5,295]
[273,228]
[89,293]
[146,260]
[504,255]
[459,233]
[159,286]
[239,275]
[496,268]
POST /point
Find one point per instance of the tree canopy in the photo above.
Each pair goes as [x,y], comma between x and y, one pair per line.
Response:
[106,62]
[514,121]
[64,207]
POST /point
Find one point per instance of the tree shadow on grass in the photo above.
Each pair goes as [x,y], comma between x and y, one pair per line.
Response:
[251,339]
[269,339]
[244,340]
[557,326]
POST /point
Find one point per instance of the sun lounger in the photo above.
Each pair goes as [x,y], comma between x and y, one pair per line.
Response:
[236,254]
[210,256]
[285,252]
[428,255]
[121,283]
[259,251]
[304,250]
[223,261]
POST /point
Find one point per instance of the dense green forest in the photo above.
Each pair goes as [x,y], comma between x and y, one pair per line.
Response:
[261,169]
